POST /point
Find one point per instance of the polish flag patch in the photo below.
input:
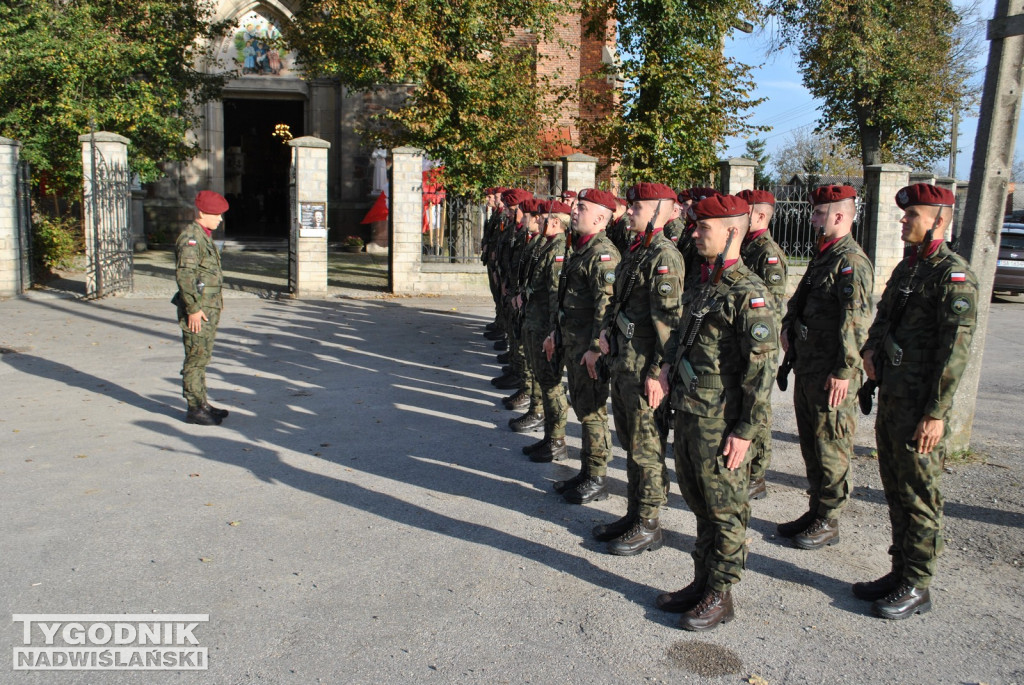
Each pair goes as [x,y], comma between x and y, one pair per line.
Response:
[559,257]
[958,277]
[756,302]
[846,270]
[606,258]
[662,269]
[773,260]
[191,241]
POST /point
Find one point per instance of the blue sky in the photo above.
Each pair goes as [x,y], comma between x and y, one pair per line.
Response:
[789,106]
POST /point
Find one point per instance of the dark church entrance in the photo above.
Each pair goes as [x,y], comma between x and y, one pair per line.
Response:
[257,159]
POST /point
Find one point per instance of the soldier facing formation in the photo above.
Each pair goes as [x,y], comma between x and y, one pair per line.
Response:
[675,309]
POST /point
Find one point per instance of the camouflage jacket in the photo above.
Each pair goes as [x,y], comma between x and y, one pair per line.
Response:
[832,327]
[541,283]
[620,235]
[653,308]
[674,229]
[729,369]
[933,335]
[589,284]
[197,270]
[764,257]
[489,237]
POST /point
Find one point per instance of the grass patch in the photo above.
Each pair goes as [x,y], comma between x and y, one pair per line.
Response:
[966,456]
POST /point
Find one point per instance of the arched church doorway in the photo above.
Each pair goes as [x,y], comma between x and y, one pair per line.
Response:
[257,159]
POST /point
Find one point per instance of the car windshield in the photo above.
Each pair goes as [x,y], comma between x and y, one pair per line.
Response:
[1012,241]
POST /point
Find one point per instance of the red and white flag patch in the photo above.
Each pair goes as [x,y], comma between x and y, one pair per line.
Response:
[662,270]
[773,260]
[191,241]
[846,270]
[559,257]
[756,302]
[958,277]
[606,258]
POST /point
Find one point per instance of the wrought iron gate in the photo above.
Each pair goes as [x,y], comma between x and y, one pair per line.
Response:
[23,216]
[108,231]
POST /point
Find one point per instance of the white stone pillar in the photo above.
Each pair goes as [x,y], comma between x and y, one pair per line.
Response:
[882,216]
[308,244]
[579,171]
[11,281]
[737,174]
[406,217]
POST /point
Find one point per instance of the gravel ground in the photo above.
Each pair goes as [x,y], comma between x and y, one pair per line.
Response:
[365,516]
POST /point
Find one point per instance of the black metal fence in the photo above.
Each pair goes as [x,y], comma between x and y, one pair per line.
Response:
[791,222]
[108,229]
[23,216]
[452,230]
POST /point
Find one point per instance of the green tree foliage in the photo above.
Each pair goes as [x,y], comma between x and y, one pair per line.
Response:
[129,67]
[474,99]
[815,154]
[681,95]
[755,149]
[885,71]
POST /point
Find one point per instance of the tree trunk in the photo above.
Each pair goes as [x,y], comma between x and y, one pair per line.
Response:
[870,145]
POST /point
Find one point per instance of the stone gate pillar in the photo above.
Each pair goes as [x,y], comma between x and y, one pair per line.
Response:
[11,281]
[579,171]
[106,211]
[307,248]
[737,174]
[406,216]
[882,228]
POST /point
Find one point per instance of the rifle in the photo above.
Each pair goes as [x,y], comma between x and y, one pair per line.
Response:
[782,375]
[563,282]
[866,394]
[634,271]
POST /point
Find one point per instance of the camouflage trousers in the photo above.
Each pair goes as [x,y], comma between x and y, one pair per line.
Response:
[548,380]
[589,399]
[910,481]
[646,473]
[520,363]
[826,441]
[198,351]
[759,456]
[716,496]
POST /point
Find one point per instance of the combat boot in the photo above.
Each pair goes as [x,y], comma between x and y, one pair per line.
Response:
[217,413]
[791,528]
[504,358]
[516,400]
[495,335]
[877,589]
[609,531]
[903,602]
[530,421]
[501,345]
[508,381]
[199,415]
[562,486]
[683,600]
[534,446]
[555,450]
[714,608]
[644,534]
[589,489]
[493,326]
[757,489]
[820,533]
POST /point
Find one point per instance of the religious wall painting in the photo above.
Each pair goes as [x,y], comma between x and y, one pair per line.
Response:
[257,48]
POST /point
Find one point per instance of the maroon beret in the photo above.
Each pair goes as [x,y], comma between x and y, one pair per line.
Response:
[825,194]
[568,194]
[757,197]
[598,197]
[555,207]
[924,194]
[721,207]
[514,196]
[698,194]
[531,205]
[209,202]
[622,201]
[650,191]
[683,196]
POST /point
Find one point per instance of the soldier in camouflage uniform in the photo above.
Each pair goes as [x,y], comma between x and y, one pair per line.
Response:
[511,244]
[917,362]
[686,244]
[676,224]
[641,323]
[826,323]
[198,274]
[764,257]
[720,364]
[524,256]
[618,232]
[488,246]
[589,279]
[540,302]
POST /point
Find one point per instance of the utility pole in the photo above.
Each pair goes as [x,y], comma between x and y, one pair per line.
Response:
[952,142]
[986,195]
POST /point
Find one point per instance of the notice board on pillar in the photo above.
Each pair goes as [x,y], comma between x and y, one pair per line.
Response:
[312,220]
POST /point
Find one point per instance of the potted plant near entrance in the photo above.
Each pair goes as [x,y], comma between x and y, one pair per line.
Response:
[353,243]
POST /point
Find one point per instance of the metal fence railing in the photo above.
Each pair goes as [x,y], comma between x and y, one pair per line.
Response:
[791,222]
[23,215]
[452,230]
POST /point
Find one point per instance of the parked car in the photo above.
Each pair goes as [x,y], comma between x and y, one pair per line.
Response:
[1010,264]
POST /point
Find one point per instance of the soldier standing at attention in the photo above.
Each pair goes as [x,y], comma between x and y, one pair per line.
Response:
[764,257]
[648,288]
[540,302]
[720,364]
[198,274]
[826,324]
[618,232]
[589,277]
[916,350]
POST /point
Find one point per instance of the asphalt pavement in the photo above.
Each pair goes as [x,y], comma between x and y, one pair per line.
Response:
[364,515]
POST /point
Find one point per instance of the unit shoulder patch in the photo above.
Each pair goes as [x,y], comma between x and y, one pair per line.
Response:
[760,331]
